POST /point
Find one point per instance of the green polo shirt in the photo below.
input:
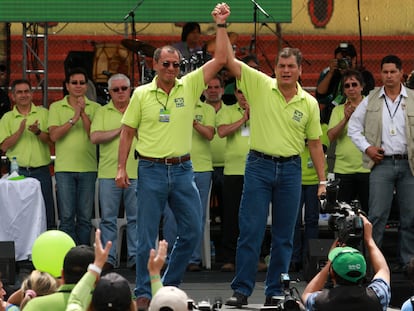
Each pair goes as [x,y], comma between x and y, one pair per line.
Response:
[348,158]
[74,151]
[200,149]
[109,118]
[309,175]
[278,128]
[29,149]
[56,302]
[237,145]
[165,139]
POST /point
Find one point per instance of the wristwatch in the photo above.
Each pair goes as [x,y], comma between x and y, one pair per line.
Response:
[71,122]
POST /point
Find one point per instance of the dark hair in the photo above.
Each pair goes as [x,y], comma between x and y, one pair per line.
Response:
[74,71]
[169,49]
[353,73]
[187,28]
[249,58]
[76,263]
[288,52]
[20,81]
[392,59]
[346,49]
[218,77]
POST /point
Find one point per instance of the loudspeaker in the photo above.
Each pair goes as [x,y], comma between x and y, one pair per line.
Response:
[316,257]
[7,262]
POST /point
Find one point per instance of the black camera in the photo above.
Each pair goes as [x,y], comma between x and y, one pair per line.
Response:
[288,301]
[344,217]
[205,305]
[344,63]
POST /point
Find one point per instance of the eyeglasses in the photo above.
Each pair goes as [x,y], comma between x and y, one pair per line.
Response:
[348,85]
[78,82]
[168,64]
[122,88]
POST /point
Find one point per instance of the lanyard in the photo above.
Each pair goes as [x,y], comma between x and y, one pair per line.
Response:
[395,111]
[166,102]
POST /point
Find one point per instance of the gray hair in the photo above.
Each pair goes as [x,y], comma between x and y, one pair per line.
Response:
[118,76]
[288,52]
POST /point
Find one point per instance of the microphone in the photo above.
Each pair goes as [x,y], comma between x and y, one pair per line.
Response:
[260,9]
[130,13]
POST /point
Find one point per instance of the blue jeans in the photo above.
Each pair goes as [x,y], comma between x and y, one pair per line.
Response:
[110,198]
[267,181]
[384,178]
[157,185]
[42,174]
[75,194]
[203,183]
[309,197]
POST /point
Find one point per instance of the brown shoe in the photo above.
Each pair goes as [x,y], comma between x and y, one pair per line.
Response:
[227,267]
[142,303]
[261,267]
[193,267]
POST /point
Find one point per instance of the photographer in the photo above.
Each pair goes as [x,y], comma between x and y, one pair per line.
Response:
[347,268]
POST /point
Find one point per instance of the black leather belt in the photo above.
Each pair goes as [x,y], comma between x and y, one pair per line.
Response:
[31,168]
[273,158]
[167,161]
[397,157]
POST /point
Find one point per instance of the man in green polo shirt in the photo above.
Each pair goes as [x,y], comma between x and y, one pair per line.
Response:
[105,129]
[282,116]
[75,165]
[163,113]
[24,135]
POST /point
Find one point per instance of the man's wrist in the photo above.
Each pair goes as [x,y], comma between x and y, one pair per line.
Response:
[38,132]
[94,268]
[221,25]
[323,182]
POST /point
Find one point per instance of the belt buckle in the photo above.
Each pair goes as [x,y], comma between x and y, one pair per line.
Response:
[166,161]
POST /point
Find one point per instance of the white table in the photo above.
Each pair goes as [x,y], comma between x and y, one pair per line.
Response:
[22,214]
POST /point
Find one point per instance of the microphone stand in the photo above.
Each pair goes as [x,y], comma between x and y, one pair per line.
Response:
[256,7]
[133,36]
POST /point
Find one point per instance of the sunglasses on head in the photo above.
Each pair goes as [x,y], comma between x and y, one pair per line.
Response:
[78,82]
[117,89]
[168,64]
[348,85]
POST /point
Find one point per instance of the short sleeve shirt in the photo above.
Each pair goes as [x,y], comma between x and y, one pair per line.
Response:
[165,139]
[29,150]
[109,118]
[278,128]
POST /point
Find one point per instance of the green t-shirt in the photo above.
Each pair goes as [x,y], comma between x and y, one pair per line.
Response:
[55,302]
[200,149]
[29,149]
[278,128]
[165,139]
[348,158]
[74,151]
[109,118]
[237,145]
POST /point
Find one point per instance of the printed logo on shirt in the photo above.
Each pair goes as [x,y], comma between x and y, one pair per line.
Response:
[179,102]
[198,118]
[297,115]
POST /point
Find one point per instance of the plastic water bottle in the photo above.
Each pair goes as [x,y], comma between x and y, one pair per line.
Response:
[14,167]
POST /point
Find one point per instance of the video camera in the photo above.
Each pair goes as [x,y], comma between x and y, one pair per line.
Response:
[344,63]
[288,301]
[344,217]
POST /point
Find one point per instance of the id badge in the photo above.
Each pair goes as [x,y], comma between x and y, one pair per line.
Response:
[164,115]
[393,131]
[245,131]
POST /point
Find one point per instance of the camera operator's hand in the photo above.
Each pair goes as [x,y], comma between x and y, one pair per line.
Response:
[375,153]
[333,64]
[367,228]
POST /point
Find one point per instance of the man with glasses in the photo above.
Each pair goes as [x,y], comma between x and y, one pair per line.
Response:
[347,268]
[75,165]
[105,130]
[163,113]
[24,135]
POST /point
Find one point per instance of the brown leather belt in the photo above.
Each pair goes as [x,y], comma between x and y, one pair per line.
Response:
[273,158]
[397,157]
[167,161]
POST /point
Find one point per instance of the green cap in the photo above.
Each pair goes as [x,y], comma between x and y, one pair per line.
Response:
[348,263]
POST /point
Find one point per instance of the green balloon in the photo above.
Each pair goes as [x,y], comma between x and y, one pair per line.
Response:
[49,251]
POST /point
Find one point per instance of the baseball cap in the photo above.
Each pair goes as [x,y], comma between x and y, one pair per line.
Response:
[348,263]
[347,49]
[171,297]
[112,293]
